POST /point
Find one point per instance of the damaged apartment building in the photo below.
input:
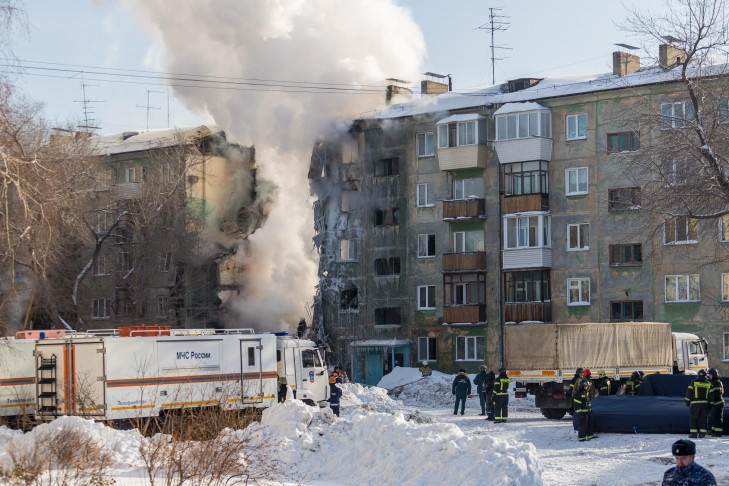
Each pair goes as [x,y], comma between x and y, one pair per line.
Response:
[441,219]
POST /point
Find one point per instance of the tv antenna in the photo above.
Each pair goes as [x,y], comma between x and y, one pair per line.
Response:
[495,25]
[88,111]
[148,106]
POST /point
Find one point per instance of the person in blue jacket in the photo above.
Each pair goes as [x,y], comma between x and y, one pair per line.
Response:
[335,393]
[461,389]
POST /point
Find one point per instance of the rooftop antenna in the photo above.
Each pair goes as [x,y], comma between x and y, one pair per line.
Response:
[88,122]
[494,25]
[627,46]
[148,106]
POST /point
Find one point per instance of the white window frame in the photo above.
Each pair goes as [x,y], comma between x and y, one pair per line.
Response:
[424,349]
[690,224]
[462,243]
[685,288]
[124,261]
[675,172]
[725,347]
[463,186]
[466,133]
[677,114]
[724,228]
[468,348]
[425,144]
[581,286]
[576,127]
[578,187]
[347,250]
[459,242]
[725,287]
[517,231]
[100,309]
[529,124]
[165,261]
[423,245]
[102,266]
[425,195]
[425,294]
[582,233]
[132,175]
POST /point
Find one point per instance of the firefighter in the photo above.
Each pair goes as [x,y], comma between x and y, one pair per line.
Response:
[575,379]
[587,375]
[335,393]
[501,397]
[633,384]
[697,399]
[461,388]
[583,410]
[603,384]
[716,403]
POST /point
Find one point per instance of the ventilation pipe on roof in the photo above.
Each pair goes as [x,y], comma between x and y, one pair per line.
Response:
[625,63]
[670,56]
[397,87]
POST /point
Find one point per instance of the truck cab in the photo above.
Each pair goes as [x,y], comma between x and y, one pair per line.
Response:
[301,368]
[691,355]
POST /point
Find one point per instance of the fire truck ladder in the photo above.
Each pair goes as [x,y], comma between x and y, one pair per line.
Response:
[45,385]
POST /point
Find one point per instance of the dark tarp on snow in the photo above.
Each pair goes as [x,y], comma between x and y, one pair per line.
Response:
[659,408]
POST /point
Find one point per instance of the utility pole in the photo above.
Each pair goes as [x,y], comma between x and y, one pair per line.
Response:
[150,107]
[495,24]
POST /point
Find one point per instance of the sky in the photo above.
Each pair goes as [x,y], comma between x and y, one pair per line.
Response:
[411,437]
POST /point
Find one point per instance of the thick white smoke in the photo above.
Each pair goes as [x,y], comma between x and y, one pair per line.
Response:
[354,42]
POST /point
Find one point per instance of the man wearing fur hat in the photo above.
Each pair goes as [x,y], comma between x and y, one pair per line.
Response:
[686,472]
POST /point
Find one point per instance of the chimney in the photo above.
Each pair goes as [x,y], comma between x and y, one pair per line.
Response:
[397,87]
[431,87]
[670,56]
[624,63]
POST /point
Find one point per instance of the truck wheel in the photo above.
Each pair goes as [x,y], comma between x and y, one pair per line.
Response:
[554,413]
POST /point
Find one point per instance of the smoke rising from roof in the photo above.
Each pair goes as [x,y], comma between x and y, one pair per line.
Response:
[355,42]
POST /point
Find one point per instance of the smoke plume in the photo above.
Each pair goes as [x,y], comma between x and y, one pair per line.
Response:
[353,42]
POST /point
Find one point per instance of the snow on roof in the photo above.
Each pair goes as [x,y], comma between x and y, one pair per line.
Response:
[544,89]
[381,342]
[519,107]
[140,140]
[460,118]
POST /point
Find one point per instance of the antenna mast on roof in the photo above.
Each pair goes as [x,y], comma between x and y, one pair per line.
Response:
[149,107]
[88,122]
[494,25]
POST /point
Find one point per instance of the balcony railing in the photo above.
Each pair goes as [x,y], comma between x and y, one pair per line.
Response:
[464,209]
[539,257]
[466,314]
[523,149]
[463,157]
[464,262]
[527,311]
[521,204]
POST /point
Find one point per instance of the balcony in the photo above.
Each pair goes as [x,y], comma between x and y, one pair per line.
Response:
[463,157]
[127,190]
[527,311]
[465,314]
[464,209]
[517,258]
[472,261]
[523,149]
[523,204]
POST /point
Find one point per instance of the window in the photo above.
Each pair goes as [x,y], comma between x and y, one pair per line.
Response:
[725,287]
[682,288]
[164,261]
[578,291]
[426,245]
[162,305]
[676,115]
[124,304]
[387,167]
[457,134]
[723,111]
[387,316]
[724,228]
[578,237]
[530,286]
[426,144]
[427,349]
[123,262]
[348,298]
[624,199]
[725,347]
[102,266]
[168,174]
[626,310]
[349,199]
[626,255]
[464,289]
[680,230]
[466,241]
[676,172]
[100,308]
[134,174]
[622,142]
[526,178]
[103,221]
[467,188]
[470,348]
[527,231]
[523,125]
[387,266]
[426,297]
[576,126]
[576,181]
[425,195]
[347,250]
[103,183]
[387,217]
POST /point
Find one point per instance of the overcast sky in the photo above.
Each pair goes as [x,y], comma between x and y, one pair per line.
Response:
[544,38]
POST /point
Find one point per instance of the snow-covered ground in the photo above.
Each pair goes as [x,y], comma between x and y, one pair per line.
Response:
[411,437]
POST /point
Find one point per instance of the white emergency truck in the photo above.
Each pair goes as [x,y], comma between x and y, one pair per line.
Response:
[144,371]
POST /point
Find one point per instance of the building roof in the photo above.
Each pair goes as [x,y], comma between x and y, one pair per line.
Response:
[141,140]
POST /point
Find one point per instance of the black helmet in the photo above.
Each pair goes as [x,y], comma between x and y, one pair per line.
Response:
[702,373]
[502,370]
[584,383]
[578,371]
[714,373]
[634,375]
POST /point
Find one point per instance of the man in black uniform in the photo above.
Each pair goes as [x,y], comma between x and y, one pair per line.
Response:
[461,389]
[501,397]
[716,402]
[583,410]
[697,399]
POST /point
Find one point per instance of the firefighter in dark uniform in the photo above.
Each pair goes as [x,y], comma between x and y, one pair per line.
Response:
[716,402]
[501,397]
[697,399]
[603,384]
[633,384]
[583,410]
[575,379]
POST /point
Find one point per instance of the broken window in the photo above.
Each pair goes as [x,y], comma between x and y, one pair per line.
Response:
[387,217]
[348,298]
[387,167]
[347,250]
[387,266]
[387,316]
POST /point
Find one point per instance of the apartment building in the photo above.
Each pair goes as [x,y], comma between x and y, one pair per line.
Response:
[443,219]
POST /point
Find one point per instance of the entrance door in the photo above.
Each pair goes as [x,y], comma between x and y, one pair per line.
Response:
[373,368]
[251,372]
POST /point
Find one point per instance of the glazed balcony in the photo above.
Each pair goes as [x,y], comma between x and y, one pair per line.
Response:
[464,209]
[527,311]
[463,157]
[464,262]
[521,258]
[465,314]
[523,149]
